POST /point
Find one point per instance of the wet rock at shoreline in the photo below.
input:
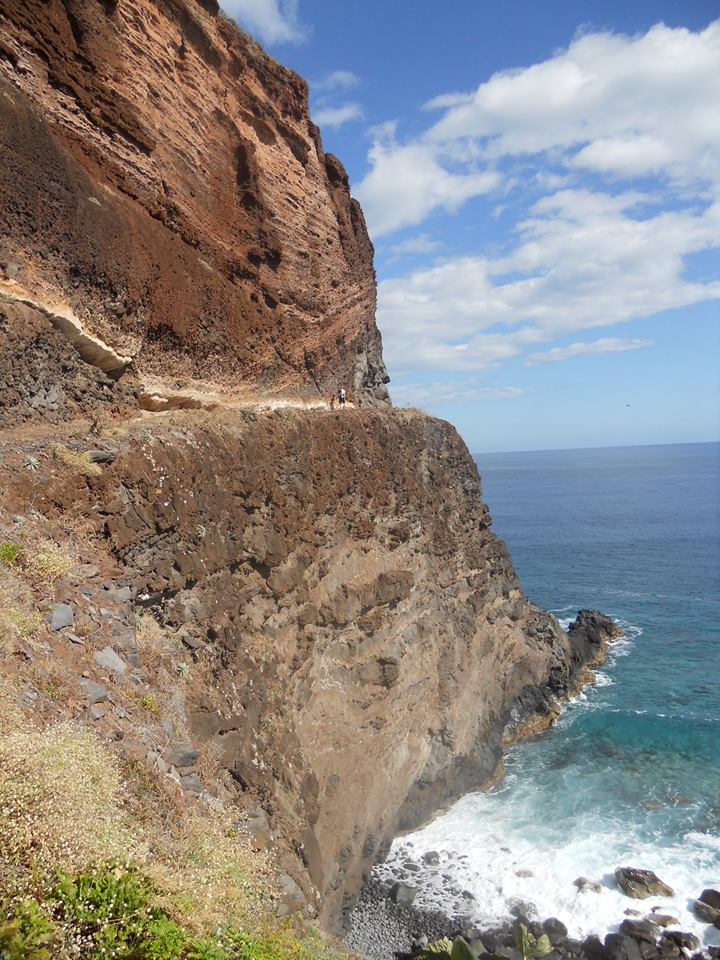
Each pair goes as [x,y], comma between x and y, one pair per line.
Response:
[402,893]
[640,884]
[711,898]
[703,911]
[583,884]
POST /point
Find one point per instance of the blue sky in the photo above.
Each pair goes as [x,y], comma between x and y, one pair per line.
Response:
[542,186]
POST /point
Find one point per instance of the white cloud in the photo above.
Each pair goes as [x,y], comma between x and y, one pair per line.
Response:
[406,183]
[609,104]
[582,261]
[604,345]
[464,390]
[421,243]
[337,80]
[616,104]
[336,116]
[273,21]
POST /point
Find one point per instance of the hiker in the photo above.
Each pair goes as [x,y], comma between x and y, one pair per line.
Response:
[341,396]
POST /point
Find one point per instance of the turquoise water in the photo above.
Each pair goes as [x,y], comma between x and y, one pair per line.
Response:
[631,773]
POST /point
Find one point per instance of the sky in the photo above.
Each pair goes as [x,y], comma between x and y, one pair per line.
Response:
[542,186]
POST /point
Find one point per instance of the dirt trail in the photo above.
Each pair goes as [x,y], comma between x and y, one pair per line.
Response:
[154,395]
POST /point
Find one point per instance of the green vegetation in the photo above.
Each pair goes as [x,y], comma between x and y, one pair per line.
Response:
[446,949]
[103,861]
[112,912]
[530,946]
[9,553]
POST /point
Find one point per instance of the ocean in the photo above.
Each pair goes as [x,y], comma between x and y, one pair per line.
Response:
[630,774]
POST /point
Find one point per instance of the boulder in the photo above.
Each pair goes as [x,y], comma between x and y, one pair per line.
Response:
[109,660]
[62,616]
[621,947]
[703,911]
[431,858]
[664,919]
[584,884]
[290,894]
[711,897]
[684,941]
[182,754]
[402,893]
[641,883]
[594,949]
[555,929]
[645,931]
[94,692]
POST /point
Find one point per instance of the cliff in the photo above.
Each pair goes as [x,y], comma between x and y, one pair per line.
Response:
[354,637]
[161,178]
[297,615]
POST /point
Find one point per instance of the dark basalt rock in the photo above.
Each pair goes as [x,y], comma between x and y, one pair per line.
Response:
[703,911]
[640,884]
[595,625]
[711,898]
[555,929]
[620,947]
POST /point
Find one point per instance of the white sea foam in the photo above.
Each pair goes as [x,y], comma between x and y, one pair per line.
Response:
[507,851]
[497,852]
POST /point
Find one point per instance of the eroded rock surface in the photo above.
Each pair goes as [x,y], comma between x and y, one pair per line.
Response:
[162,176]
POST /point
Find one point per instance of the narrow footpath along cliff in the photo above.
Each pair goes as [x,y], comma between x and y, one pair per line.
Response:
[298,616]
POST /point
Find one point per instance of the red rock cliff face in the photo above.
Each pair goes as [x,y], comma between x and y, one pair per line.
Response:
[161,175]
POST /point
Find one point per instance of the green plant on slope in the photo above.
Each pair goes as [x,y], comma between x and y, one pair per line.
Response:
[9,553]
[26,932]
[530,946]
[108,909]
[446,949]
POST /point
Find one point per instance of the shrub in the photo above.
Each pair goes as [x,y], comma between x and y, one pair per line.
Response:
[80,462]
[46,561]
[105,911]
[26,931]
[530,946]
[9,553]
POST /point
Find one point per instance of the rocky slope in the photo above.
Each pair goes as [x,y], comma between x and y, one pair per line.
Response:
[162,178]
[355,638]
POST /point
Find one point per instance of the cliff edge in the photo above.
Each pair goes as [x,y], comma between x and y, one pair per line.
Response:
[354,639]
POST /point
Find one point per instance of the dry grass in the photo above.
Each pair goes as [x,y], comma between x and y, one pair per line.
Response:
[9,633]
[45,561]
[153,639]
[59,802]
[67,803]
[80,462]
[18,621]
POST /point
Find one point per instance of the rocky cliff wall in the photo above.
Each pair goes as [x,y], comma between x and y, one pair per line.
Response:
[357,641]
[161,177]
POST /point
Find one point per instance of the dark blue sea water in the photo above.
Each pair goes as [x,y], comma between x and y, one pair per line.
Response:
[631,773]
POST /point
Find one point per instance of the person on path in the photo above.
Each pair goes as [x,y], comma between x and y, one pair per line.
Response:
[341,396]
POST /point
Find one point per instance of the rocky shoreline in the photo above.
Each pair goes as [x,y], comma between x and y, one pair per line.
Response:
[385,924]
